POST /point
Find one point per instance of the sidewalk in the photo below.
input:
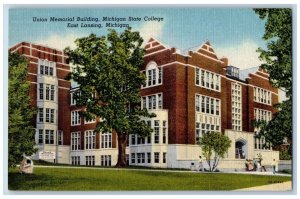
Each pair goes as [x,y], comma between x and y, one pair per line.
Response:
[285,186]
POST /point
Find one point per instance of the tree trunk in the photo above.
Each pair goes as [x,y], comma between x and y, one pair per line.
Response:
[122,139]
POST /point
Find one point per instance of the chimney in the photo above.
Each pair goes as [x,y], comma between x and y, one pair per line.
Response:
[225,60]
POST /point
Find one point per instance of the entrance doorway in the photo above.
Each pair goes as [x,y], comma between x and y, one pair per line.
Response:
[240,149]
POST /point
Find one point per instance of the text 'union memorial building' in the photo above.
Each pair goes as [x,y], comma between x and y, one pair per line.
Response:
[191,93]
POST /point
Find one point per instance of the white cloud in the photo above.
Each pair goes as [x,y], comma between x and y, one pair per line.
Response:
[242,56]
[151,29]
[59,41]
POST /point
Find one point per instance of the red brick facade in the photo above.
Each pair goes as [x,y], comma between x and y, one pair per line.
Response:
[179,89]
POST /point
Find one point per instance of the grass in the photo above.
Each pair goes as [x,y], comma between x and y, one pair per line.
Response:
[84,179]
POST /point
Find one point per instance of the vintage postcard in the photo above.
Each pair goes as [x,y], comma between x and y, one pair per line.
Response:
[156,98]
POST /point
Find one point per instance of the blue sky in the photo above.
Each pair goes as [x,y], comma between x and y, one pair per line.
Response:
[233,32]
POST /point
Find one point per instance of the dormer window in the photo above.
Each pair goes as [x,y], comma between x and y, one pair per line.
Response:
[153,74]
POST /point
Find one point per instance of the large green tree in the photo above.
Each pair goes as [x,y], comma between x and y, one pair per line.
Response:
[214,147]
[21,133]
[278,63]
[110,67]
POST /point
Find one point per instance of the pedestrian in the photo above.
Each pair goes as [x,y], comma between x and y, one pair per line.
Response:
[200,163]
[273,164]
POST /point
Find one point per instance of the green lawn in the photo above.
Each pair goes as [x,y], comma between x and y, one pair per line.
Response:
[84,179]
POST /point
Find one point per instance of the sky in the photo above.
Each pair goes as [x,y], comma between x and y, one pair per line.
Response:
[235,33]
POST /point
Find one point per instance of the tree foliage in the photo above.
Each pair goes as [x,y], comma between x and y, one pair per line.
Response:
[214,147]
[278,58]
[21,133]
[109,66]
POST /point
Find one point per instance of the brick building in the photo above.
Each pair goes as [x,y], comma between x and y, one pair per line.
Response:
[191,93]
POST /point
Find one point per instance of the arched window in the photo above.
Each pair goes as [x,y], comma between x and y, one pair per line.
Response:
[240,149]
[153,74]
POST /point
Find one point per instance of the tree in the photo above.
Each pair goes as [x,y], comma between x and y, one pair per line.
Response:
[109,67]
[21,133]
[278,58]
[214,143]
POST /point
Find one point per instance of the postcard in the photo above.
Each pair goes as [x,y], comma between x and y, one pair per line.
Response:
[156,98]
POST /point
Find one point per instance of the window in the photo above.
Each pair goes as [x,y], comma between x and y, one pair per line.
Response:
[217,107]
[236,90]
[197,103]
[217,82]
[50,115]
[202,104]
[197,76]
[148,157]
[156,157]
[205,124]
[149,136]
[159,101]
[212,106]
[262,96]
[73,101]
[90,160]
[49,136]
[143,157]
[140,139]
[41,136]
[46,67]
[41,69]
[133,158]
[197,132]
[105,160]
[209,105]
[132,139]
[144,102]
[153,74]
[159,75]
[75,141]
[90,140]
[106,140]
[156,131]
[149,77]
[164,157]
[164,132]
[139,157]
[261,114]
[202,78]
[59,137]
[208,79]
[41,115]
[75,118]
[41,91]
[75,160]
[47,92]
[153,101]
[90,121]
[52,92]
[212,85]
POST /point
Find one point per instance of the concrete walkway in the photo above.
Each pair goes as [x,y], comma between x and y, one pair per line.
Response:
[284,186]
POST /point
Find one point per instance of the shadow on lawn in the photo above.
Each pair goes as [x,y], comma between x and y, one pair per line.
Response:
[18,181]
